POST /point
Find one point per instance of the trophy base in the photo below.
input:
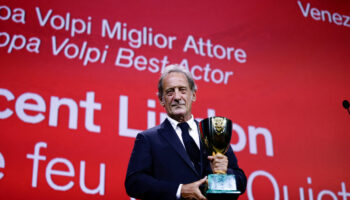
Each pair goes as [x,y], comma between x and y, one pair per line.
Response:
[222,186]
[213,192]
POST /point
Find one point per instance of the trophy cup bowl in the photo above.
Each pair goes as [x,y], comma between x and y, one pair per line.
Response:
[216,135]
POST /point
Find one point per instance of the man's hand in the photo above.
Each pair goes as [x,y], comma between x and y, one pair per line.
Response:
[218,163]
[191,190]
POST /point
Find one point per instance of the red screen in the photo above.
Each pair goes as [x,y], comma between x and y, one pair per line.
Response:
[79,81]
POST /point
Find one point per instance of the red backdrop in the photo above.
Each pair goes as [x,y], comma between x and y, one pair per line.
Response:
[78,81]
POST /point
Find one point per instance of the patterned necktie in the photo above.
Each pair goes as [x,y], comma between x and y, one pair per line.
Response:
[190,145]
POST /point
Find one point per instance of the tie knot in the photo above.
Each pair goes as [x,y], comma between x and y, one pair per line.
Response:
[183,126]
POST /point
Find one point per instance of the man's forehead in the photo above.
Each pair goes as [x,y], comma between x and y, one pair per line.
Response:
[175,79]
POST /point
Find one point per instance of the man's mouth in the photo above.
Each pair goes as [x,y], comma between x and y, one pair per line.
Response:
[177,105]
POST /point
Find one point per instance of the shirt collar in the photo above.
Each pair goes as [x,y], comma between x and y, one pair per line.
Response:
[190,122]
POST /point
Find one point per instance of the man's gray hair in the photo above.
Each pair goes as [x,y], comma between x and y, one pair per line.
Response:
[175,68]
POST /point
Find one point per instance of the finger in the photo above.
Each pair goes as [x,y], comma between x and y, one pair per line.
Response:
[220,165]
[220,160]
[201,181]
[216,162]
[210,158]
[201,197]
[219,155]
[216,168]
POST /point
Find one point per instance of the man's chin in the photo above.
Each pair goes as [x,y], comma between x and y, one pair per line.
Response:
[179,111]
[178,115]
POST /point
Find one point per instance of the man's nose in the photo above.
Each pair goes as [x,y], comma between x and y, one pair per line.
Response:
[177,94]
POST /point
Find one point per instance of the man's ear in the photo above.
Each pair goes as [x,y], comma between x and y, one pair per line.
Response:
[194,96]
[161,101]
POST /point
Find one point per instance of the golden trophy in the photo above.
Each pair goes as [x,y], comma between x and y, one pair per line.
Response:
[216,135]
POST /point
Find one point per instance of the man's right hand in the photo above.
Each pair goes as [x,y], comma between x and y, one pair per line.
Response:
[191,190]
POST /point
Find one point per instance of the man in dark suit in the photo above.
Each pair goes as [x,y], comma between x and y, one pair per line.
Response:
[169,161]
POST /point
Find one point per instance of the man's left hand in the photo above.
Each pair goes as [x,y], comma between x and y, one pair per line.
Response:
[218,163]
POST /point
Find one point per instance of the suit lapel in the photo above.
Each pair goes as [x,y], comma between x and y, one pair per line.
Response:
[202,149]
[167,132]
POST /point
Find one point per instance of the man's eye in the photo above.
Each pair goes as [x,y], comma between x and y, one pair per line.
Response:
[183,90]
[169,92]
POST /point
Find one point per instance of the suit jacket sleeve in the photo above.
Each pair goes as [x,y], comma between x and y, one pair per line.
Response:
[139,182]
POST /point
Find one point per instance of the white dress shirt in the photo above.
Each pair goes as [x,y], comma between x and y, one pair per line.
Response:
[193,131]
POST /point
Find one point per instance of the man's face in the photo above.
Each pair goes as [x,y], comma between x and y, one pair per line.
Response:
[177,96]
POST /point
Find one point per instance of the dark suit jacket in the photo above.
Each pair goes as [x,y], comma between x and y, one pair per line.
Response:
[159,163]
